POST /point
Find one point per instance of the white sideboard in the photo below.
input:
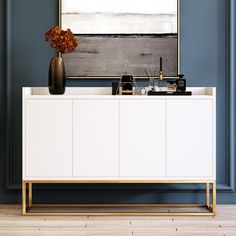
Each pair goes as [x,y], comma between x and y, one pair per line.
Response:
[89,135]
[118,137]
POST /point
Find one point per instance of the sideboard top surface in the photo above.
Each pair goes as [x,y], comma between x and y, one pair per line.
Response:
[105,93]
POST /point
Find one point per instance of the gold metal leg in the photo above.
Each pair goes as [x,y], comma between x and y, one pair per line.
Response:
[208,194]
[214,198]
[27,202]
[23,198]
[30,194]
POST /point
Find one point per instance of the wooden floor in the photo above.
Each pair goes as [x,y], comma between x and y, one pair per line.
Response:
[12,223]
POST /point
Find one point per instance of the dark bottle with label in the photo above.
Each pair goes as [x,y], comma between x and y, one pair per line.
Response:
[181,84]
[127,84]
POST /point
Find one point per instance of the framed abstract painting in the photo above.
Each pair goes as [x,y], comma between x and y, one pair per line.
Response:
[114,32]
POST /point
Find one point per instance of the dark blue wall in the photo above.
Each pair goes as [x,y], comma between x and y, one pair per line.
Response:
[206,59]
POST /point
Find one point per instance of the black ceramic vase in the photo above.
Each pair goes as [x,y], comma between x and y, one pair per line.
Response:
[56,79]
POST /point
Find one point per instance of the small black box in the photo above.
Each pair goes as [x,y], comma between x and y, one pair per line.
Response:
[115,88]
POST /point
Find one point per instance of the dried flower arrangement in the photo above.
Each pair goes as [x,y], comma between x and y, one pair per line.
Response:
[62,40]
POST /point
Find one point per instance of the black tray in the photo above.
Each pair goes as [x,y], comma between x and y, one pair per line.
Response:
[167,93]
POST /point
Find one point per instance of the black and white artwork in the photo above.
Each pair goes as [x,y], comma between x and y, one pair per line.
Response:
[114,32]
[120,16]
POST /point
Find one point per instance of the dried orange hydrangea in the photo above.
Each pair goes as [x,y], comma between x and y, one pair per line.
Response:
[62,40]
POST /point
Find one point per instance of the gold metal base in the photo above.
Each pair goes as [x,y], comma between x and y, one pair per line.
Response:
[27,201]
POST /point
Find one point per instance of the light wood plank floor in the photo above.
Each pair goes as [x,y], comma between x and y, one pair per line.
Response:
[13,224]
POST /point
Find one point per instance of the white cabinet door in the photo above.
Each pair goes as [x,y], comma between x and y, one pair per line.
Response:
[48,138]
[189,138]
[96,137]
[142,138]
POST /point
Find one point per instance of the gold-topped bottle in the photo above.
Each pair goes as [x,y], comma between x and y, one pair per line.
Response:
[161,75]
